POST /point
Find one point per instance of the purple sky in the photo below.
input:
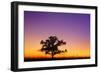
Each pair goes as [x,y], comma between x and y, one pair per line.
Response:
[53,23]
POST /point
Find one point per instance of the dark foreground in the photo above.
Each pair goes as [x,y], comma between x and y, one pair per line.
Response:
[47,59]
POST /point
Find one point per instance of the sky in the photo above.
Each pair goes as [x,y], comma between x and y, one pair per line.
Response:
[73,28]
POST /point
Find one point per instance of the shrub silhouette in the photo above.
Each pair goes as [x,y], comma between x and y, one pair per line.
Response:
[50,46]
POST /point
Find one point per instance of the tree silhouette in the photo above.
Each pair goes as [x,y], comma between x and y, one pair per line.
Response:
[50,46]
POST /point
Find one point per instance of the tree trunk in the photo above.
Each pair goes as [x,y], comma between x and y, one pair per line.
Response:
[52,55]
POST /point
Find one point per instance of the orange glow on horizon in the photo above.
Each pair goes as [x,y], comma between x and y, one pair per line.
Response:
[32,51]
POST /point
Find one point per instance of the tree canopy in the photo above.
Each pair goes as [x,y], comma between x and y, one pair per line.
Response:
[50,46]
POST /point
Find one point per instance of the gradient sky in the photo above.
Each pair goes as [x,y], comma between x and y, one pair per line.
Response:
[74,28]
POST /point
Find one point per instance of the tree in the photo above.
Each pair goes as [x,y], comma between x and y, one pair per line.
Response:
[50,46]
